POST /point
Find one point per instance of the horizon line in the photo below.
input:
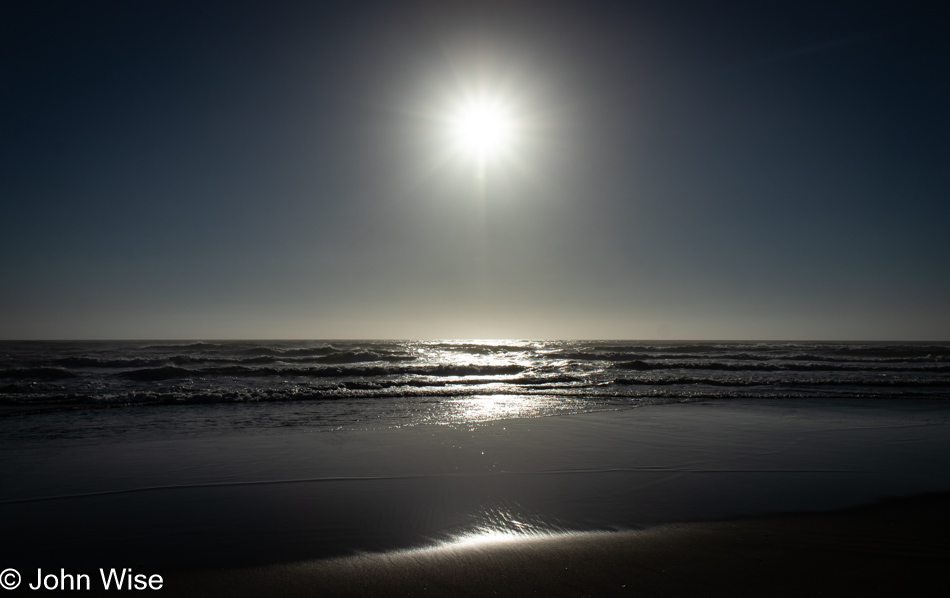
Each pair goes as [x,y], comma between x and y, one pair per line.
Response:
[460,339]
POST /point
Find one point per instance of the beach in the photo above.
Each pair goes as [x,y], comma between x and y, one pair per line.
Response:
[667,499]
[899,547]
[474,298]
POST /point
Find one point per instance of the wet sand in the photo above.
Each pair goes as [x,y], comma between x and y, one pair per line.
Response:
[901,547]
[667,500]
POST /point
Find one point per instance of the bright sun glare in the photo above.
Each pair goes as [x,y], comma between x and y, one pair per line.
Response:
[483,127]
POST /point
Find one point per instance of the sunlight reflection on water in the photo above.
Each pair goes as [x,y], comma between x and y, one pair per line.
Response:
[503,524]
[483,408]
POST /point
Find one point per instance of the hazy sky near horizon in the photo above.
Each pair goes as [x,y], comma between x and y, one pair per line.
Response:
[688,170]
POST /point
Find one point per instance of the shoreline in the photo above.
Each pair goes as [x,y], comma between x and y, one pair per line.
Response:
[894,547]
[219,508]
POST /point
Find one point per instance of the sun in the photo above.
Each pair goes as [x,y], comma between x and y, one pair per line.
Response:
[483,127]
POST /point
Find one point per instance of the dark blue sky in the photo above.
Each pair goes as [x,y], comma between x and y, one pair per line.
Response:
[730,170]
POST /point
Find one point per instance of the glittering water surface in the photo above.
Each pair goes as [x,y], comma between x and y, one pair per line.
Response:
[330,384]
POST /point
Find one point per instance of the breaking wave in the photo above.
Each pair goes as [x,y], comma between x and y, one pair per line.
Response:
[127,373]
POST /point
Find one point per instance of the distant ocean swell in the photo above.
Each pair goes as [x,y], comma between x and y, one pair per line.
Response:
[128,373]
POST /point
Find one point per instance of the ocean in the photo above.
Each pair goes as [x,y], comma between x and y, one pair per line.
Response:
[399,383]
[176,455]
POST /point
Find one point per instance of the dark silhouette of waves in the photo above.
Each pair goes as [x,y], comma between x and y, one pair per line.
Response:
[94,374]
[169,372]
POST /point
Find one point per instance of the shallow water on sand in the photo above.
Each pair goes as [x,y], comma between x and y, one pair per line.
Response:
[242,496]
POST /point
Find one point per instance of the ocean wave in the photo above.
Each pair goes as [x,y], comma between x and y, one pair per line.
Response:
[195,346]
[857,357]
[597,356]
[37,373]
[480,348]
[921,351]
[777,367]
[111,374]
[166,372]
[100,362]
[169,372]
[591,397]
[289,352]
[790,382]
[361,356]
